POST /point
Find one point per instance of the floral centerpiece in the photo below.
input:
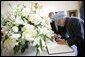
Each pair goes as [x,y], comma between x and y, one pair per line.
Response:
[25,28]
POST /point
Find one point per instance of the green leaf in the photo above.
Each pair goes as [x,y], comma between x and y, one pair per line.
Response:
[52,39]
[37,51]
[37,46]
[9,4]
[26,44]
[49,38]
[21,42]
[16,49]
[6,37]
[23,49]
[41,44]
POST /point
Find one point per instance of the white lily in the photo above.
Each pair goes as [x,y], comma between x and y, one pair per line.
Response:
[15,29]
[15,36]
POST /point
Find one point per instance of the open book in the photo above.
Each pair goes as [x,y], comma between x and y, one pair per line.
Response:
[54,48]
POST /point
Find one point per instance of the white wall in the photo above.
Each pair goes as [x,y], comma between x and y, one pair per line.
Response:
[47,5]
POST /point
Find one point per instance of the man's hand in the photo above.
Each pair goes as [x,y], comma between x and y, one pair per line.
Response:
[57,36]
[61,41]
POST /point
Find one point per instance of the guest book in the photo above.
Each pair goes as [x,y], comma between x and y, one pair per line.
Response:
[54,48]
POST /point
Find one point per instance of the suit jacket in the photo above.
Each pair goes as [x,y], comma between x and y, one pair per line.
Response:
[74,27]
[61,30]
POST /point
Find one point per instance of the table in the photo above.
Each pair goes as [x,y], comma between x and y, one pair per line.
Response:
[31,51]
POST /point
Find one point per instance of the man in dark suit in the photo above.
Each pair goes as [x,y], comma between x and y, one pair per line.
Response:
[61,31]
[75,30]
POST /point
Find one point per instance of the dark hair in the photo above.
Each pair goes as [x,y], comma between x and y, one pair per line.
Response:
[50,14]
[56,12]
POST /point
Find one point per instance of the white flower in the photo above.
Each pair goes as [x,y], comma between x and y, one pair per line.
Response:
[29,32]
[43,22]
[15,29]
[26,11]
[18,20]
[15,36]
[43,30]
[35,18]
[32,17]
[27,36]
[29,29]
[16,43]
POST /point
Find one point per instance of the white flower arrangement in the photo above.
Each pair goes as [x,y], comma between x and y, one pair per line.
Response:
[34,28]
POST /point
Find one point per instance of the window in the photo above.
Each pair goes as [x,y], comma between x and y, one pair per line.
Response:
[72,13]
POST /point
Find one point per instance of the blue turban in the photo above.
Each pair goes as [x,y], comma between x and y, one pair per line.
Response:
[59,15]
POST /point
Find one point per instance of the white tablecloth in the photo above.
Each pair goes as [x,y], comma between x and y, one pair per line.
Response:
[31,51]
